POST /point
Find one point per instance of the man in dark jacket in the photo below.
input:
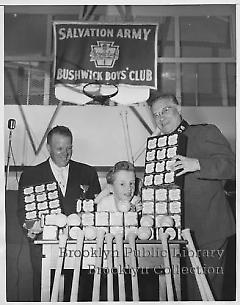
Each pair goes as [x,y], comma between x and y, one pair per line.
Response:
[72,179]
[209,161]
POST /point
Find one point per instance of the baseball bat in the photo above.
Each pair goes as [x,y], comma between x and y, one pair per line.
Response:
[201,279]
[131,240]
[98,264]
[162,287]
[109,240]
[77,267]
[119,264]
[57,276]
[61,289]
[164,238]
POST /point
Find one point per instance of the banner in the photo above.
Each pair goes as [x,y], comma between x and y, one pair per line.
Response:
[107,53]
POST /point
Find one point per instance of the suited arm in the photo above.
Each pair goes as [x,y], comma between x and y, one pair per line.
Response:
[219,162]
[21,209]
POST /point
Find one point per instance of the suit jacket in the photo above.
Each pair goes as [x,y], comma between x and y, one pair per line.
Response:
[207,212]
[79,174]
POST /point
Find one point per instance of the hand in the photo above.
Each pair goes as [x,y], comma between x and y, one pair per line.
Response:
[185,164]
[136,201]
[105,192]
[139,185]
[31,235]
[36,228]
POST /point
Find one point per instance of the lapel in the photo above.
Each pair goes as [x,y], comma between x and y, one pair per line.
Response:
[74,181]
[48,171]
[70,178]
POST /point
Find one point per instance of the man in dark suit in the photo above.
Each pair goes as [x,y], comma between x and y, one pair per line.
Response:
[209,161]
[73,179]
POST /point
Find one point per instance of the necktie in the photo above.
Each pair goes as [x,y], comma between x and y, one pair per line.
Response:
[62,182]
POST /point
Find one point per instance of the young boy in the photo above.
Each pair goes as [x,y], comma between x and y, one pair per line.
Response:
[119,194]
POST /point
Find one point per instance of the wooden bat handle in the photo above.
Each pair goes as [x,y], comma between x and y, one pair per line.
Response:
[201,279]
[164,237]
[162,287]
[77,267]
[98,264]
[131,240]
[109,239]
[55,289]
[121,281]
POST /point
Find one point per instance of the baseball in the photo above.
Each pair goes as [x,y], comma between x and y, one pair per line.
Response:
[146,221]
[61,220]
[90,232]
[73,232]
[166,221]
[73,220]
[144,233]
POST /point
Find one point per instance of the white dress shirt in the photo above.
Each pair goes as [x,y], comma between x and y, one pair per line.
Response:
[61,175]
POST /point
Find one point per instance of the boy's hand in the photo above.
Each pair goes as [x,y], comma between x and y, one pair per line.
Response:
[137,202]
[105,192]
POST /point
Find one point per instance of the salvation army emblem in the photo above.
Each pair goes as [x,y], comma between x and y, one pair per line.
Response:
[104,54]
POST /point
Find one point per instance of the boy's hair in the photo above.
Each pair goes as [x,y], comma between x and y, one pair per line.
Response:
[62,130]
[121,165]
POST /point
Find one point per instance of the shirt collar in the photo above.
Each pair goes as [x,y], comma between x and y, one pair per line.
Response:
[57,168]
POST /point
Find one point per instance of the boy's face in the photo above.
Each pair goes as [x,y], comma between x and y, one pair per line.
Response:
[124,185]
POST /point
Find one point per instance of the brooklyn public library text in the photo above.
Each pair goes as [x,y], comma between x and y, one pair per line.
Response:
[142,252]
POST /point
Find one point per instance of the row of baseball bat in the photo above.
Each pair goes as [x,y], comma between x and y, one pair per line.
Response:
[166,286]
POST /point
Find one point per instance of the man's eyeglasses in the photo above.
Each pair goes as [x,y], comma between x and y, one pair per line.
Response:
[164,111]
